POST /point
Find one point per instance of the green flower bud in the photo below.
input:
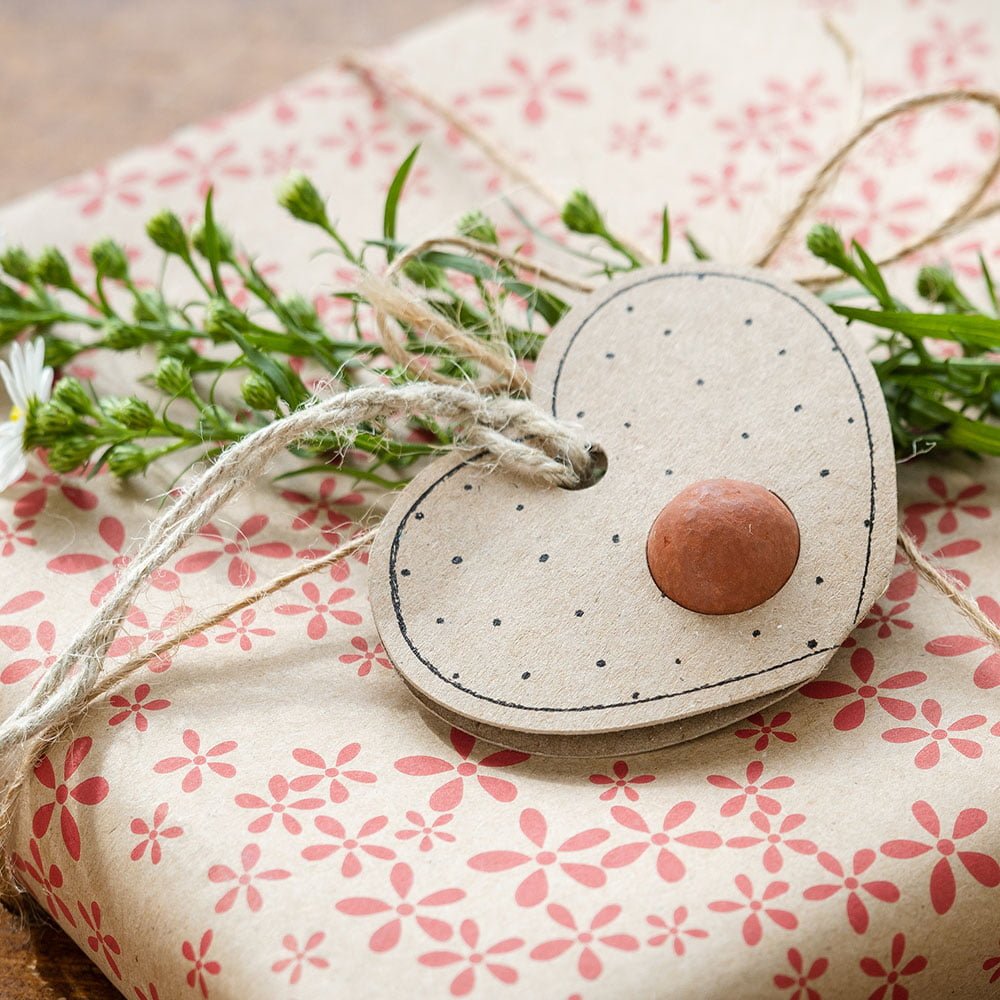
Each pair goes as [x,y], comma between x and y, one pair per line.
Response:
[166,231]
[109,260]
[59,351]
[53,420]
[70,392]
[135,414]
[119,336]
[69,453]
[422,273]
[128,458]
[825,242]
[149,307]
[937,284]
[258,393]
[223,243]
[221,318]
[172,378]
[580,215]
[52,268]
[16,262]
[298,196]
[301,313]
[478,226]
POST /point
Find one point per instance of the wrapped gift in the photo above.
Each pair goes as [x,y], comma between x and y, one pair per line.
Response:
[267,812]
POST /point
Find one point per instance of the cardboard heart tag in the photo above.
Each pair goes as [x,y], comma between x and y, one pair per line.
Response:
[529,616]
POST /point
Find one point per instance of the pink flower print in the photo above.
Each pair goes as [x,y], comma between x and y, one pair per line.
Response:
[800,978]
[534,888]
[473,959]
[149,993]
[753,927]
[857,910]
[153,835]
[427,832]
[726,188]
[88,792]
[366,656]
[535,88]
[449,795]
[992,963]
[987,674]
[949,507]
[17,637]
[525,12]
[335,772]
[775,838]
[244,879]
[618,43]
[198,760]
[240,572]
[299,956]
[151,636]
[49,880]
[201,966]
[98,941]
[17,670]
[886,619]
[275,805]
[359,140]
[904,586]
[634,140]
[930,754]
[751,790]
[800,103]
[324,507]
[321,609]
[112,533]
[755,128]
[853,713]
[33,502]
[388,935]
[351,846]
[242,632]
[895,972]
[673,91]
[869,214]
[203,169]
[674,931]
[619,779]
[982,867]
[762,731]
[13,535]
[589,963]
[285,159]
[135,707]
[100,185]
[947,48]
[669,866]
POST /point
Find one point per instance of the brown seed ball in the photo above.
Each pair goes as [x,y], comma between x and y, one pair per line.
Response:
[722,546]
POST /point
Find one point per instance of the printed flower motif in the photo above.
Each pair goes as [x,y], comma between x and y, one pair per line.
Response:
[278,788]
[17,637]
[857,911]
[669,866]
[101,185]
[351,846]
[535,887]
[992,963]
[588,963]
[388,935]
[359,141]
[775,839]
[800,979]
[449,795]
[427,832]
[27,379]
[930,754]
[201,966]
[634,139]
[871,214]
[153,835]
[948,47]
[50,881]
[886,619]
[916,514]
[764,731]
[321,609]
[300,957]
[112,533]
[904,586]
[203,169]
[673,90]
[152,635]
[618,43]
[476,957]
[674,931]
[336,773]
[88,792]
[244,879]
[751,790]
[324,506]
[982,867]
[895,972]
[853,713]
[536,87]
[987,674]
[525,12]
[239,571]
[12,535]
[753,927]
[243,631]
[33,502]
[99,941]
[149,993]
[135,707]
[801,103]
[366,656]
[198,760]
[620,780]
[17,670]
[726,187]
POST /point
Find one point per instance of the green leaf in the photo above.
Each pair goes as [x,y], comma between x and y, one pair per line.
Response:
[700,253]
[665,236]
[973,331]
[990,287]
[212,243]
[392,199]
[290,391]
[876,283]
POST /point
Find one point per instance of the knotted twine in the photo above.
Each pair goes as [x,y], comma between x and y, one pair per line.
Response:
[522,439]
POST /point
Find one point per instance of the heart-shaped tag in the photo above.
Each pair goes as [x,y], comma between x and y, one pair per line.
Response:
[531,615]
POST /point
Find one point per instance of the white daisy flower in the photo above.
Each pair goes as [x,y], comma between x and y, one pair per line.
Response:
[26,377]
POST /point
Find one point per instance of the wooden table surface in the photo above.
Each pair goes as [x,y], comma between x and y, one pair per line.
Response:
[82,81]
